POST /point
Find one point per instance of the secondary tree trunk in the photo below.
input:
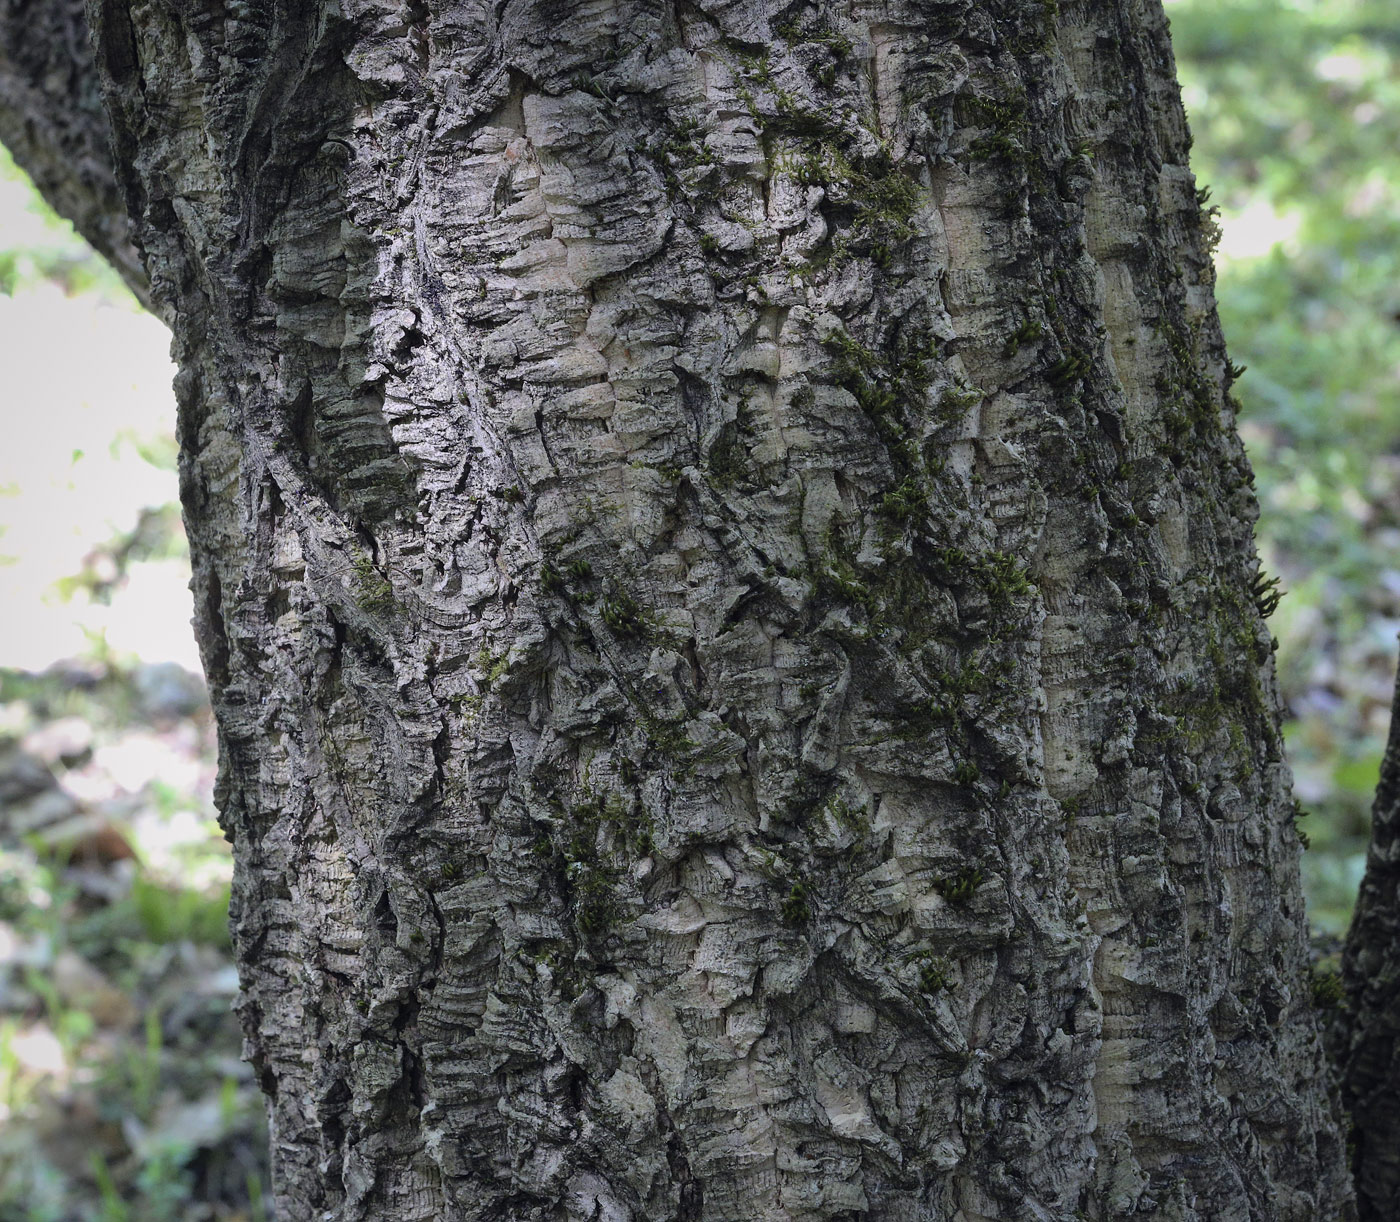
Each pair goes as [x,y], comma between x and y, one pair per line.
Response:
[725,570]
[1370,1053]
[53,122]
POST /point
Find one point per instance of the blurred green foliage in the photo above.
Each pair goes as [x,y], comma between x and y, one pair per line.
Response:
[36,244]
[1295,107]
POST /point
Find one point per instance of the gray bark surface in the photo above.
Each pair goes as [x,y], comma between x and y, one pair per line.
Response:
[725,570]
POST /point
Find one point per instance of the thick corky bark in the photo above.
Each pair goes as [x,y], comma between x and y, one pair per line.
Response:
[725,571]
[1371,1040]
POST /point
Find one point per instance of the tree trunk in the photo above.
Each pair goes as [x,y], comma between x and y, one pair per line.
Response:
[53,123]
[725,570]
[1370,1054]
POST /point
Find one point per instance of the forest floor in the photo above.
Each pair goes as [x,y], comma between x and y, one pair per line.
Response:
[122,1094]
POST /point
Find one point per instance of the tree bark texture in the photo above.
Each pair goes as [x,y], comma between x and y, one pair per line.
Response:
[1370,1052]
[725,570]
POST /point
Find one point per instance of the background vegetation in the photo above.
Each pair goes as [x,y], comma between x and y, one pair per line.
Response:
[122,1095]
[121,1092]
[1295,106]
